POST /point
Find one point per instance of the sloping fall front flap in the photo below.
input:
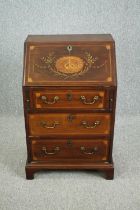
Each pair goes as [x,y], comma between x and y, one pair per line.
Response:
[69,64]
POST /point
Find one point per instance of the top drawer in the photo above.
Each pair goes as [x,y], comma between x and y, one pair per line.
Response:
[69,99]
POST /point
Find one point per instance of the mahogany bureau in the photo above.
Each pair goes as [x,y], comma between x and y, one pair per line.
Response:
[69,94]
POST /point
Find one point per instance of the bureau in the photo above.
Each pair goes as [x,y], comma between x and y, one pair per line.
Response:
[69,96]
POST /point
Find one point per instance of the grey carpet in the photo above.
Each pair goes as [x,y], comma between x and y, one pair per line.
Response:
[70,190]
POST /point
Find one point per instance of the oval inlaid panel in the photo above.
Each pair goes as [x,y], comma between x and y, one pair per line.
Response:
[69,64]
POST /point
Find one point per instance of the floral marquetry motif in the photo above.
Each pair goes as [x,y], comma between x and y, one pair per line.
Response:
[69,65]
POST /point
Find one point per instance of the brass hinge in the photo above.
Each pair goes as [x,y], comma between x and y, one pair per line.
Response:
[27,101]
[111,103]
[28,104]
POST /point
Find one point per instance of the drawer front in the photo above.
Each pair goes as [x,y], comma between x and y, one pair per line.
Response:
[66,123]
[70,99]
[94,150]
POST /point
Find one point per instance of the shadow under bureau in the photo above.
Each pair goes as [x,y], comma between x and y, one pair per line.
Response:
[69,94]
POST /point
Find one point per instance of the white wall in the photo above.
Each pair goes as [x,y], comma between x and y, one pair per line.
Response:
[20,18]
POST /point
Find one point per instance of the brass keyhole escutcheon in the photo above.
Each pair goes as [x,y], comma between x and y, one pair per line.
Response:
[69,142]
[69,96]
[70,117]
[69,48]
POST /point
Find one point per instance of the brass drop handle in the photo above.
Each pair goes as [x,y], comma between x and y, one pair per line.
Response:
[46,101]
[44,124]
[91,152]
[53,152]
[85,101]
[94,125]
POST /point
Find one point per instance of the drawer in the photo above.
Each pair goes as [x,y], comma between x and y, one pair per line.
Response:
[49,150]
[67,123]
[70,99]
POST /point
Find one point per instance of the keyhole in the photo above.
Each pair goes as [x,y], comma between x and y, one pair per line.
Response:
[69,48]
[69,142]
[69,96]
[70,117]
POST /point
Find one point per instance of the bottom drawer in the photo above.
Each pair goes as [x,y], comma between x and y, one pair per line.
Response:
[49,150]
